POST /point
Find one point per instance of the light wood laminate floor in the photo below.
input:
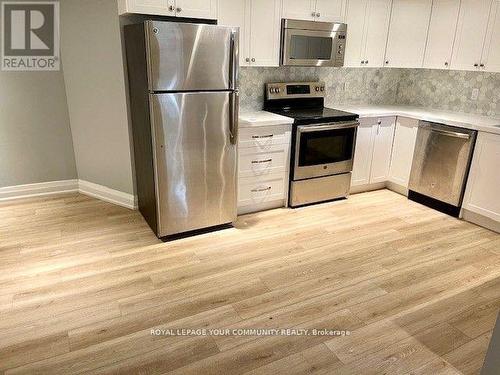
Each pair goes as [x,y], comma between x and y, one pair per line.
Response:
[83,282]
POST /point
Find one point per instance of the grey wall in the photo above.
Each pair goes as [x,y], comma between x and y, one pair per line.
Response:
[95,88]
[35,136]
[438,89]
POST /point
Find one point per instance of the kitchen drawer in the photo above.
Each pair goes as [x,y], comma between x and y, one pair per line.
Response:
[264,137]
[263,163]
[252,190]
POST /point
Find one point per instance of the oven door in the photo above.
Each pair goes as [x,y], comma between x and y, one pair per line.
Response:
[312,48]
[324,150]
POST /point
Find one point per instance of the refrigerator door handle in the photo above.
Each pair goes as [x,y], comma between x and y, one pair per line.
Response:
[233,66]
[233,116]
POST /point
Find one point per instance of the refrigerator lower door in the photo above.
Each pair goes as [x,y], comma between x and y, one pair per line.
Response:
[195,160]
[191,57]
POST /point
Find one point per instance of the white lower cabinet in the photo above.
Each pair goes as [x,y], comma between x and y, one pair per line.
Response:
[382,150]
[263,167]
[363,154]
[405,137]
[373,151]
[481,195]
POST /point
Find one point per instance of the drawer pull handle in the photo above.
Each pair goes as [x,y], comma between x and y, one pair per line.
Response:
[262,136]
[261,161]
[263,189]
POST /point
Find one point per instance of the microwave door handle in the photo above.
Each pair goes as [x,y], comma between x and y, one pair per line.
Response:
[233,59]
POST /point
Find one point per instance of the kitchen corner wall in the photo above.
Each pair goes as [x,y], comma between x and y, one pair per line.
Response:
[35,134]
[437,89]
[96,92]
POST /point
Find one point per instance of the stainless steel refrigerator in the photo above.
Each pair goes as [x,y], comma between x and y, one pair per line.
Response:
[183,81]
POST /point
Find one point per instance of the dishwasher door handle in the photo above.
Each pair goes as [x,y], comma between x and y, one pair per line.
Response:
[451,133]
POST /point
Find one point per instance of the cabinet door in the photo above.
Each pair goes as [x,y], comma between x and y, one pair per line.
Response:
[196,8]
[405,137]
[232,13]
[331,10]
[264,32]
[408,33]
[158,7]
[378,17]
[471,32]
[481,195]
[363,153]
[442,28]
[355,47]
[382,150]
[491,52]
[299,9]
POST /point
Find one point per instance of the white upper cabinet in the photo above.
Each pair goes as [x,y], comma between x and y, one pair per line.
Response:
[232,13]
[259,23]
[331,10]
[377,28]
[405,137]
[160,7]
[491,52]
[264,19]
[442,28]
[175,8]
[355,19]
[471,33]
[315,10]
[367,29]
[196,8]
[408,33]
[299,9]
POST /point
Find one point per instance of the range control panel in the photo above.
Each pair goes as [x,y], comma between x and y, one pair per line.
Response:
[295,90]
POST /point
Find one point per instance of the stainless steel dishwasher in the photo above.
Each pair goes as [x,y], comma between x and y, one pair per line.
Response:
[441,163]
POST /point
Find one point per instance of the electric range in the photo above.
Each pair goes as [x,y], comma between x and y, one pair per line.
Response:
[323,142]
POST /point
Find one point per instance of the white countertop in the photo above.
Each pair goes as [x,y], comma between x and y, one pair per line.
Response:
[463,120]
[262,118]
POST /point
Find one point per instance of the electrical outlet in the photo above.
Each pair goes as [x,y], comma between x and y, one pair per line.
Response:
[475,94]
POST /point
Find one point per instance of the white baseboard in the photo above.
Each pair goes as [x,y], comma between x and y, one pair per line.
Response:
[38,189]
[481,220]
[367,187]
[107,194]
[397,188]
[69,186]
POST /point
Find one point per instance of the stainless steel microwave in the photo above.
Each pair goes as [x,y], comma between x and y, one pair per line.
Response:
[311,43]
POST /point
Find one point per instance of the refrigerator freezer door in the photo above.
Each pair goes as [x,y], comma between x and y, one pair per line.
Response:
[195,153]
[191,57]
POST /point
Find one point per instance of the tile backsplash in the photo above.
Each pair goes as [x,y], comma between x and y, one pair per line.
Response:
[451,90]
[447,90]
[343,85]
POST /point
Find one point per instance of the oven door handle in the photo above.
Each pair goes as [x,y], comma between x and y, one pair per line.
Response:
[317,128]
